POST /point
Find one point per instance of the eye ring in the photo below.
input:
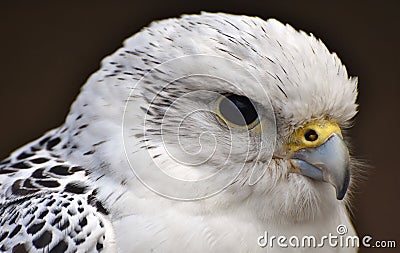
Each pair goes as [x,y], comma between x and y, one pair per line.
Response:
[237,111]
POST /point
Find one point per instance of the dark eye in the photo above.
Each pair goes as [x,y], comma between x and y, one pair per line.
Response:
[238,110]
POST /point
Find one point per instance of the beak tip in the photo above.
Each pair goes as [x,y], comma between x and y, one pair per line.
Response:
[340,195]
[341,192]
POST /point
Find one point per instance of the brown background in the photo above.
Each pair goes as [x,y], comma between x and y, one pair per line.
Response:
[48,50]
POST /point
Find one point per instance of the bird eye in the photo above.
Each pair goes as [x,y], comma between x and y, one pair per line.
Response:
[237,110]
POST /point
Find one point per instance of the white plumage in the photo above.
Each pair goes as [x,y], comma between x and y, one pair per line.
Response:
[149,161]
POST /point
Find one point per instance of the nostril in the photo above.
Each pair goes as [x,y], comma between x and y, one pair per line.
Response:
[311,135]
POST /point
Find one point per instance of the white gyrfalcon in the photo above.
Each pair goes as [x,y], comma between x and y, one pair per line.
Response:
[198,135]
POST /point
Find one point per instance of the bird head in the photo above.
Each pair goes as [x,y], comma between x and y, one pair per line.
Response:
[225,107]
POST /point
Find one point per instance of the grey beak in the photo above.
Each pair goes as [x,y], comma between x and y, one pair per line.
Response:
[328,162]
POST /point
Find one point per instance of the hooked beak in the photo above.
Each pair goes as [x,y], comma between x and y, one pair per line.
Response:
[327,160]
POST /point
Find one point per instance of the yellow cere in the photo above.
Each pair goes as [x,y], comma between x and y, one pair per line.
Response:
[312,135]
